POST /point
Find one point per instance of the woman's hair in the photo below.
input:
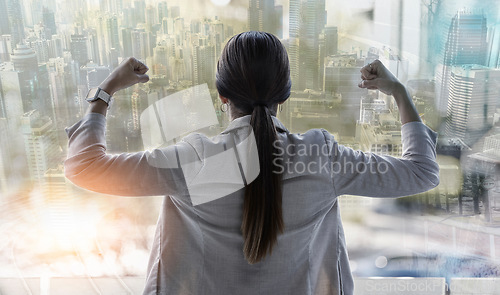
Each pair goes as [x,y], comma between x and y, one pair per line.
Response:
[254,74]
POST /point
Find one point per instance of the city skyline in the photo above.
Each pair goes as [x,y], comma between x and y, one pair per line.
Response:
[50,59]
[51,73]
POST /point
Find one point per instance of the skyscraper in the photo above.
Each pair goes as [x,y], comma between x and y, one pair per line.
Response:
[4,18]
[60,101]
[151,18]
[255,15]
[113,56]
[127,18]
[78,48]
[33,80]
[331,41]
[141,43]
[49,21]
[25,63]
[278,18]
[24,60]
[306,22]
[16,23]
[94,54]
[465,44]
[472,101]
[56,47]
[127,41]
[493,59]
[39,144]
[112,6]
[5,47]
[160,59]
[204,65]
[41,47]
[261,15]
[162,11]
[219,35]
[113,40]
[293,41]
[164,26]
[313,22]
[140,11]
[328,45]
[12,100]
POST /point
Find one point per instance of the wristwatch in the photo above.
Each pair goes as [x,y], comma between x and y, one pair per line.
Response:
[97,93]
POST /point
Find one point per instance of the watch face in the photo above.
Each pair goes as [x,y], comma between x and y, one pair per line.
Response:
[91,94]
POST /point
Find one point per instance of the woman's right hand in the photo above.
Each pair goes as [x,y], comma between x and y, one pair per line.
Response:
[376,76]
[128,73]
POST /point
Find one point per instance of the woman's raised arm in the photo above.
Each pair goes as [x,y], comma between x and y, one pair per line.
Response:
[369,174]
[89,166]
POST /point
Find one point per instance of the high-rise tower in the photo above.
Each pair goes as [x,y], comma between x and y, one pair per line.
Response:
[306,22]
[263,15]
[33,80]
[39,143]
[314,20]
[472,100]
[293,40]
[49,21]
[112,39]
[204,63]
[25,63]
[16,23]
[465,44]
[79,51]
[4,18]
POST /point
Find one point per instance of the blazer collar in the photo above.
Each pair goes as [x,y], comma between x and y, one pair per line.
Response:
[244,121]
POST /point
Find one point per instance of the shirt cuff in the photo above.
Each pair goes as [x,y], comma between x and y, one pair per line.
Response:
[91,118]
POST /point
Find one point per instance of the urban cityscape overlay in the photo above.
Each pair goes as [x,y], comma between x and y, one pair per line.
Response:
[53,52]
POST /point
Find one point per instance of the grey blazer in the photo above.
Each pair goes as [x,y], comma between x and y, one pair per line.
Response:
[197,247]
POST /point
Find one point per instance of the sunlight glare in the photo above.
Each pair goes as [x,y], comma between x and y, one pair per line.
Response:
[221,2]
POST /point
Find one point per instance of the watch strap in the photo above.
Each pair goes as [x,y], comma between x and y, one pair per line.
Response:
[100,94]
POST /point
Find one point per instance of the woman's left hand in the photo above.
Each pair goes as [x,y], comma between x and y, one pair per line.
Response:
[128,73]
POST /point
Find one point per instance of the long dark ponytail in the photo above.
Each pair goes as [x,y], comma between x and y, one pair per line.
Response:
[254,74]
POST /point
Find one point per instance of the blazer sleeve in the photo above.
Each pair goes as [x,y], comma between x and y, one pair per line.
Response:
[147,173]
[369,174]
